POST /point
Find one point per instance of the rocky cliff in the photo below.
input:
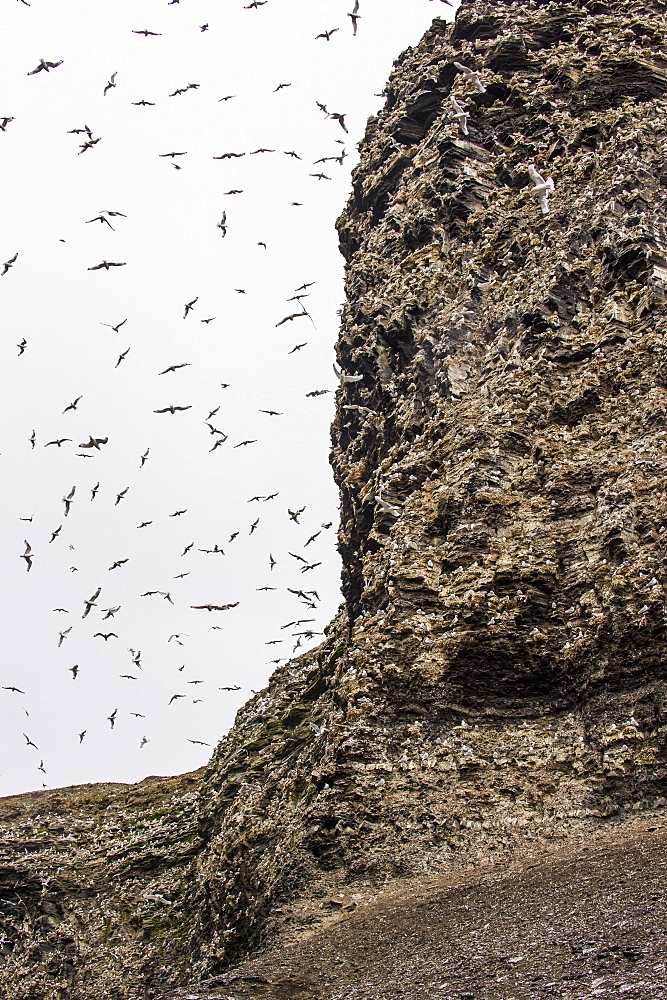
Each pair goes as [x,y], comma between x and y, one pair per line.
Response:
[497,677]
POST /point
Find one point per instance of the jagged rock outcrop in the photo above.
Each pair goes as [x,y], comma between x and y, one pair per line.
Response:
[497,676]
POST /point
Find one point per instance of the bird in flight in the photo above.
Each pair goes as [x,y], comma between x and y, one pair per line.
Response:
[106,264]
[354,16]
[106,636]
[281,86]
[9,263]
[27,555]
[4,123]
[145,32]
[111,83]
[57,441]
[118,563]
[93,492]
[54,534]
[73,406]
[188,307]
[173,368]
[172,409]
[175,696]
[44,64]
[184,90]
[213,607]
[110,325]
[112,717]
[63,635]
[327,34]
[93,442]
[29,742]
[90,603]
[68,500]
[144,458]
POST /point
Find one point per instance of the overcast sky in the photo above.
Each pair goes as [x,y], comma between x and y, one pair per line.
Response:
[58,346]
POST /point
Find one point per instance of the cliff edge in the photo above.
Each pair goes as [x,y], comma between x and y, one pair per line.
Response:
[495,683]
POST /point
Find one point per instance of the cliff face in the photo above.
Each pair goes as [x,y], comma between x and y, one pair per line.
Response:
[497,677]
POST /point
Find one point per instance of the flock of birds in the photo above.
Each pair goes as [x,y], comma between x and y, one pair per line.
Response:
[302,627]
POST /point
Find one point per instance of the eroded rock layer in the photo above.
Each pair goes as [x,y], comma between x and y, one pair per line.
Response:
[498,675]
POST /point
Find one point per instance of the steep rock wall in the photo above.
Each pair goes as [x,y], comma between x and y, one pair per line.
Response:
[497,677]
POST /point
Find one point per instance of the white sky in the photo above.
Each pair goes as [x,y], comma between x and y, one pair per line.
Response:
[173,252]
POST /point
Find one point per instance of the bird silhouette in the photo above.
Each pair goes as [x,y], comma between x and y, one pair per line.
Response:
[68,500]
[106,636]
[9,263]
[44,64]
[327,34]
[173,409]
[106,264]
[94,442]
[111,83]
[27,555]
[174,368]
[117,327]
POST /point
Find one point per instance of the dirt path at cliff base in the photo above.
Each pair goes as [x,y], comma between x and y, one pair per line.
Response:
[589,920]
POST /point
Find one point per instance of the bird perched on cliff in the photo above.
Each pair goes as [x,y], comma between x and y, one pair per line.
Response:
[542,189]
[471,76]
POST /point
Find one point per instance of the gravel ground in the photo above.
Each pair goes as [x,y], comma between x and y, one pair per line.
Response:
[588,920]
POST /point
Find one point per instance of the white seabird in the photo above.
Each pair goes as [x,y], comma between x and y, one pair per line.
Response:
[471,76]
[342,378]
[542,189]
[460,114]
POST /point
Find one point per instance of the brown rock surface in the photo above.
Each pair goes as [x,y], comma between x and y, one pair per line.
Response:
[496,682]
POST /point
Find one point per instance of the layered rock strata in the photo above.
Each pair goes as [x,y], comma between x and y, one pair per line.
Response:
[497,676]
